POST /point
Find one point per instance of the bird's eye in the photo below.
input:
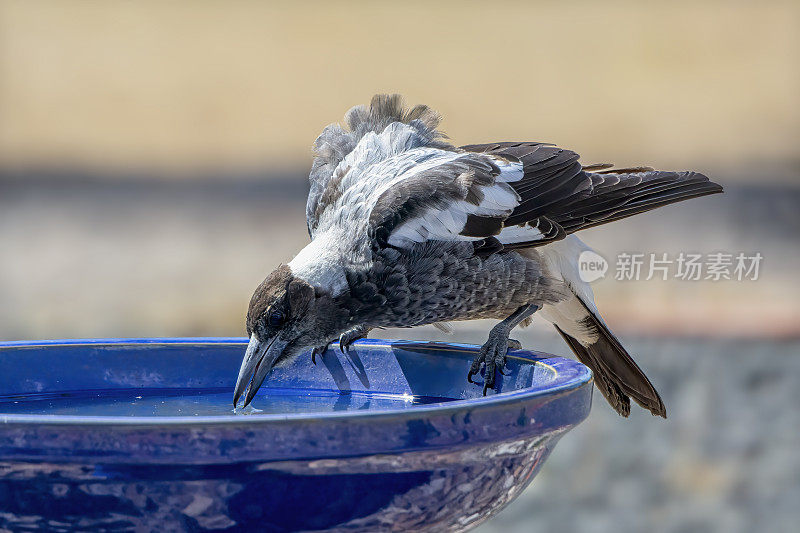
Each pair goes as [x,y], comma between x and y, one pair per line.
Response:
[275,319]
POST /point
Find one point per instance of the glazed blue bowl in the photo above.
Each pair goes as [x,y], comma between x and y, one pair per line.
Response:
[140,434]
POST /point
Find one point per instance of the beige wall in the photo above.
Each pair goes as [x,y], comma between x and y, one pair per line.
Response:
[180,85]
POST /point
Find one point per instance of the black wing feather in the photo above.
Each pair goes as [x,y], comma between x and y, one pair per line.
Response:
[555,188]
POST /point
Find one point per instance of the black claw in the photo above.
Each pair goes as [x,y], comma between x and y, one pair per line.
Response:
[319,350]
[347,338]
[475,367]
[514,344]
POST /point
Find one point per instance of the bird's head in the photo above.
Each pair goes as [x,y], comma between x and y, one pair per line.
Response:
[286,316]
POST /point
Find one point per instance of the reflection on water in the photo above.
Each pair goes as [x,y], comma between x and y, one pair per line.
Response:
[204,402]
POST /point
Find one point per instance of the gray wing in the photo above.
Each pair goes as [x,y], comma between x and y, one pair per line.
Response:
[336,142]
[330,149]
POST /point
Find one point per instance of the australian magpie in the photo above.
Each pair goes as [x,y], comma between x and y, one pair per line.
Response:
[407,229]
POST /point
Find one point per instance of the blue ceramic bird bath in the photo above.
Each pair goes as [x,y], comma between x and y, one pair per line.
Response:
[140,434]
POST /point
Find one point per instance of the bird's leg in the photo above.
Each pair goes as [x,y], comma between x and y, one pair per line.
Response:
[351,335]
[345,340]
[493,353]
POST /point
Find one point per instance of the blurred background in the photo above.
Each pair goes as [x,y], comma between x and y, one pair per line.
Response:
[153,166]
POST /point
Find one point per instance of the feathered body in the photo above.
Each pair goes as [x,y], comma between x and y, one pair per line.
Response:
[409,230]
[442,283]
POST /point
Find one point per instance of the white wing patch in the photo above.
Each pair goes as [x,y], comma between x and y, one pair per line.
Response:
[523,233]
[499,200]
[446,224]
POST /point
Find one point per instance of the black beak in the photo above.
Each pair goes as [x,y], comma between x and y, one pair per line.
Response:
[257,363]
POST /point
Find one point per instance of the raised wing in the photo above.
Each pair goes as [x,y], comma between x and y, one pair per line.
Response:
[389,174]
[336,142]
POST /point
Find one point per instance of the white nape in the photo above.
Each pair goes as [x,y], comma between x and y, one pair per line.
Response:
[320,264]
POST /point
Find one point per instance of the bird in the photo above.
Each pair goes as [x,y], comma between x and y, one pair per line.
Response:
[407,229]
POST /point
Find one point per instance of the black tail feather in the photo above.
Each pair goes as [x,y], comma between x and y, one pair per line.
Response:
[657,189]
[616,375]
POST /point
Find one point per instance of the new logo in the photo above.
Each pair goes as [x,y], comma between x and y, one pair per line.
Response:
[591,266]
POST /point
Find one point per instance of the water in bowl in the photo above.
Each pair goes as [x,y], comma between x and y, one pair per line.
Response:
[203,402]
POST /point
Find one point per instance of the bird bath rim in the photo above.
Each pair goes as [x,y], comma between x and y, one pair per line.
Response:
[569,375]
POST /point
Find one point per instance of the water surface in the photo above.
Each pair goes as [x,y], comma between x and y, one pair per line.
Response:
[203,402]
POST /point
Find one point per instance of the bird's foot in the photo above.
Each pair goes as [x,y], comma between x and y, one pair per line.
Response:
[319,350]
[493,355]
[350,336]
